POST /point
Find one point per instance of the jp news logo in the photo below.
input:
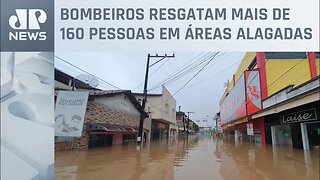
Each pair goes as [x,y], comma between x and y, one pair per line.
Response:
[26,25]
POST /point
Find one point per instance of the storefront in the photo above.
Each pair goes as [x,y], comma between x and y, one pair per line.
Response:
[102,135]
[297,127]
[159,130]
[238,106]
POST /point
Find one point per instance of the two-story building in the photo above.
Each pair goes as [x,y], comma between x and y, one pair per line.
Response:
[162,114]
[260,82]
[181,119]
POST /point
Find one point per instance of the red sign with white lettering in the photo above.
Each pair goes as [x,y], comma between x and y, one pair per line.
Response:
[234,105]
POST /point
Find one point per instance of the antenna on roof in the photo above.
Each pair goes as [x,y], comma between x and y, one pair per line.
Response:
[88,79]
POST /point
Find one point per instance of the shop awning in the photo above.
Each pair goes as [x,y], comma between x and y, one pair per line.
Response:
[112,128]
[309,98]
[234,123]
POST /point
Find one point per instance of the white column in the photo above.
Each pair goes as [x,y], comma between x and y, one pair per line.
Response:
[273,135]
[304,133]
[236,136]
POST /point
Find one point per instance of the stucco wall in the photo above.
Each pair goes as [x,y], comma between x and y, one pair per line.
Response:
[168,106]
[292,71]
[161,107]
[119,102]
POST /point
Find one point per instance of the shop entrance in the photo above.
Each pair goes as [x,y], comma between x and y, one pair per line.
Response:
[281,135]
[100,140]
[313,134]
[159,130]
[129,138]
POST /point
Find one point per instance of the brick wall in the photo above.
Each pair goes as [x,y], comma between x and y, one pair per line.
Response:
[99,113]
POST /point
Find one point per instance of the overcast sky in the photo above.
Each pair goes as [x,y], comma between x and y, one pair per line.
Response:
[127,71]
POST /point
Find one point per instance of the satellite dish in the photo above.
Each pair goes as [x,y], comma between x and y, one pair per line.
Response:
[88,79]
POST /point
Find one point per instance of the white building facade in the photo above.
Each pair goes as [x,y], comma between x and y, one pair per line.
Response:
[162,115]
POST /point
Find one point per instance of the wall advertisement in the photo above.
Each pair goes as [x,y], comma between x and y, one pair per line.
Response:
[70,113]
[244,99]
[234,105]
[253,92]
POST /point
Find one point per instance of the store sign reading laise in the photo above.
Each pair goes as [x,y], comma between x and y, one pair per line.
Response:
[70,113]
[301,116]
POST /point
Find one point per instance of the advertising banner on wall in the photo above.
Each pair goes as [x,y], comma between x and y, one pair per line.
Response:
[253,91]
[70,113]
[234,105]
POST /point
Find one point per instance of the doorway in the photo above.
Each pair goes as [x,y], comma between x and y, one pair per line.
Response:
[100,140]
[281,135]
[313,130]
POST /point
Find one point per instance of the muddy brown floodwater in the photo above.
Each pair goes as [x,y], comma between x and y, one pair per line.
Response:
[195,158]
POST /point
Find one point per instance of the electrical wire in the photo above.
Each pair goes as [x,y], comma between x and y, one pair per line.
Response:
[111,85]
[280,75]
[287,71]
[176,73]
[190,79]
[214,75]
[184,71]
[154,72]
[303,76]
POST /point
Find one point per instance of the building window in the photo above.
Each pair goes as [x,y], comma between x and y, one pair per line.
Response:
[166,108]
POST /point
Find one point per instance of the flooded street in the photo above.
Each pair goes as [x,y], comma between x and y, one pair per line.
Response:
[198,158]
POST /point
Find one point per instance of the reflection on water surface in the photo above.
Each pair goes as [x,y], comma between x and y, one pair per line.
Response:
[198,158]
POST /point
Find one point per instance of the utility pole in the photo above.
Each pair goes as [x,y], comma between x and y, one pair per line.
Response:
[217,117]
[188,121]
[183,120]
[144,100]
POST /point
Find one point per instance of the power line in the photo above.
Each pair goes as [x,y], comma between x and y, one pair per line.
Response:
[264,64]
[184,71]
[191,78]
[87,72]
[287,71]
[190,69]
[279,76]
[307,73]
[154,72]
[195,74]
[214,75]
[176,73]
[218,56]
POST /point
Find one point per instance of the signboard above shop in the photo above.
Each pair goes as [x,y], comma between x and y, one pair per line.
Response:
[300,116]
[253,92]
[234,105]
[244,99]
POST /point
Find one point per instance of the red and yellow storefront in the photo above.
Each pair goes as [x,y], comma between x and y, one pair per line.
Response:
[259,76]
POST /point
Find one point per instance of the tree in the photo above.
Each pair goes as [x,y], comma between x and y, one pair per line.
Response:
[195,127]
